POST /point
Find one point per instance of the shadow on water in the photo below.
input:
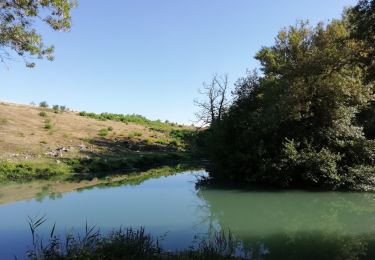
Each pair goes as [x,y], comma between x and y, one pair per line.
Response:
[124,156]
[294,224]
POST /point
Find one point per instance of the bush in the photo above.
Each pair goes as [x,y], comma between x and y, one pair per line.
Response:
[3,121]
[62,108]
[134,134]
[103,132]
[55,107]
[43,114]
[28,171]
[110,128]
[47,124]
[133,118]
[43,104]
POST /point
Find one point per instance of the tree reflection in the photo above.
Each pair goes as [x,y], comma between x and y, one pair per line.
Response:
[294,224]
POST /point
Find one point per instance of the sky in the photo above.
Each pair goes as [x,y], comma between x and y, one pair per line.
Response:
[150,57]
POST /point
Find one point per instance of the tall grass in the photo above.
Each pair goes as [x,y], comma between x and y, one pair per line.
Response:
[125,243]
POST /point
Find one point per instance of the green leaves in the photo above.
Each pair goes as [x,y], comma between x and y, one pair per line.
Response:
[17,32]
[297,124]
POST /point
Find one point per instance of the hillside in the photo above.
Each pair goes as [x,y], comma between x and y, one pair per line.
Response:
[30,134]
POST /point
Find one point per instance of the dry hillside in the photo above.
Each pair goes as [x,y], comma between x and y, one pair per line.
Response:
[28,134]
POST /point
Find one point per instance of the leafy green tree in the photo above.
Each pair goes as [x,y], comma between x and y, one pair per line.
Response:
[17,27]
[361,23]
[296,124]
[43,104]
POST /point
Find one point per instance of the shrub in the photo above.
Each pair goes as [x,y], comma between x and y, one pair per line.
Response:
[110,128]
[134,134]
[47,124]
[3,121]
[62,108]
[43,104]
[103,132]
[133,118]
[28,171]
[43,114]
[161,142]
[55,107]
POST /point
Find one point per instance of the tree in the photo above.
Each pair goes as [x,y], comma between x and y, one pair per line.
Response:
[43,104]
[361,21]
[212,109]
[361,24]
[296,124]
[17,27]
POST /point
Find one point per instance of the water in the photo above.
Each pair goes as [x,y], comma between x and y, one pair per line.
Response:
[274,224]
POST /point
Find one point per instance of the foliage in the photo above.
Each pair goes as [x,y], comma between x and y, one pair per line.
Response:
[132,134]
[74,169]
[55,107]
[122,243]
[28,171]
[103,132]
[133,118]
[43,114]
[43,104]
[48,124]
[361,23]
[17,27]
[100,167]
[296,124]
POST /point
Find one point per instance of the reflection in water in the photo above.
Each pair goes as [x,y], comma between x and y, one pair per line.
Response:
[268,224]
[296,224]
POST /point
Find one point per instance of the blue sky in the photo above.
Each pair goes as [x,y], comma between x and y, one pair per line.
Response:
[150,57]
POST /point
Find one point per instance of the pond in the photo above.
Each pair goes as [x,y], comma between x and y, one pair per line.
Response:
[274,224]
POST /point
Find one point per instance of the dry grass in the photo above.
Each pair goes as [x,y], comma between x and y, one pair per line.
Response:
[23,135]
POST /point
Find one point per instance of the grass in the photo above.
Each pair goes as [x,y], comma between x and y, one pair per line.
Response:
[3,121]
[10,171]
[131,143]
[125,243]
[56,185]
[77,169]
[133,134]
[103,132]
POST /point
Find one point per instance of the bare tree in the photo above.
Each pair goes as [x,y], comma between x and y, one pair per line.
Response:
[212,108]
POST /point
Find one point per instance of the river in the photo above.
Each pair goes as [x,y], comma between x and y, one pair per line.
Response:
[289,224]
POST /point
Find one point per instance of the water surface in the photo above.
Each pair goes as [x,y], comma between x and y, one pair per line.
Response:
[274,224]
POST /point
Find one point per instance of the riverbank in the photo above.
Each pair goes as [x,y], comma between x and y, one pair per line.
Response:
[41,189]
[40,143]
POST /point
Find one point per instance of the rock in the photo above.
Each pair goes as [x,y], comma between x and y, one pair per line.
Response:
[82,147]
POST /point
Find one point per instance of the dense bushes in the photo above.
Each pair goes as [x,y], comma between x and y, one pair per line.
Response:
[297,124]
[88,168]
[28,171]
[103,166]
[137,119]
